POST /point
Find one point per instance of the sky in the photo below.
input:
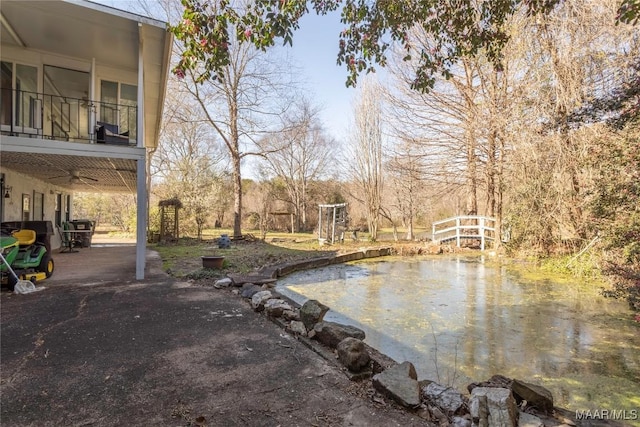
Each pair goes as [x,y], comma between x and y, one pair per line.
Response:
[314,52]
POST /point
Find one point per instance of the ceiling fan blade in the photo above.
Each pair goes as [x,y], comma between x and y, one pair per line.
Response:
[60,176]
[88,177]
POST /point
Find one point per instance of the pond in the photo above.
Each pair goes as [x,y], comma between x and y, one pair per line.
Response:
[459,321]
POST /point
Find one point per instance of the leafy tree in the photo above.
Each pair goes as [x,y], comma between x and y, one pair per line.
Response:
[460,29]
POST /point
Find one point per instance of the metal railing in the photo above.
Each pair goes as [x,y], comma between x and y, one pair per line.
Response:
[475,227]
[24,113]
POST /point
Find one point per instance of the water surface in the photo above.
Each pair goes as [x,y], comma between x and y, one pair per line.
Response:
[458,321]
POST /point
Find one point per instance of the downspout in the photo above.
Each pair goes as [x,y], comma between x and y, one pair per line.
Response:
[141,175]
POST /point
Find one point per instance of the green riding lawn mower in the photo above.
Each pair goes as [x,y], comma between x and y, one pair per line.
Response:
[23,258]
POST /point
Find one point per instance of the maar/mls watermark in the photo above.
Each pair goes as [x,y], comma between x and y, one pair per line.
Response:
[608,414]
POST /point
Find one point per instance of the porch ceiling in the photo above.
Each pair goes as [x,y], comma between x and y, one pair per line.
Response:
[113,175]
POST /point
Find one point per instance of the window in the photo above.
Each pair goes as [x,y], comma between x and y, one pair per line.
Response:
[26,207]
[67,208]
[58,210]
[6,93]
[66,103]
[20,105]
[119,106]
[38,206]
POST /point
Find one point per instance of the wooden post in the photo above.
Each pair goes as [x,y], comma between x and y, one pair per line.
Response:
[319,223]
[433,233]
[481,233]
[333,229]
[458,231]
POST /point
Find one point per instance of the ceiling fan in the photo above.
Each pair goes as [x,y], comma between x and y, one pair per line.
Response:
[75,177]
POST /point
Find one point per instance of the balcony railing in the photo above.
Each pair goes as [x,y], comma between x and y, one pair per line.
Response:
[56,117]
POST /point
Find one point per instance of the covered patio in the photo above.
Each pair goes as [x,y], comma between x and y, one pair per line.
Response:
[108,260]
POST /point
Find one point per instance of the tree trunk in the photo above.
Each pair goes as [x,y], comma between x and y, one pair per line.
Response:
[410,234]
[237,201]
[472,180]
[491,175]
[499,191]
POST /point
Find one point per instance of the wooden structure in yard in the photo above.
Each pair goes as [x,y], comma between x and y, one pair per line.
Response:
[334,224]
[169,220]
[285,214]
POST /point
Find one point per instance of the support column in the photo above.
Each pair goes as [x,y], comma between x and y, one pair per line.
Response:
[140,115]
[141,184]
[141,219]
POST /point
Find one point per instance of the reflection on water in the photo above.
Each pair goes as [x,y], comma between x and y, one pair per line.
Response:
[459,321]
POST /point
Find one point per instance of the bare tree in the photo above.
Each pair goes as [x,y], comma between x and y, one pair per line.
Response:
[405,170]
[366,152]
[299,155]
[574,54]
[241,106]
[188,164]
[443,125]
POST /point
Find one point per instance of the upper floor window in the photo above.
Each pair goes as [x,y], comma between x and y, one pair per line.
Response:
[66,103]
[118,106]
[19,102]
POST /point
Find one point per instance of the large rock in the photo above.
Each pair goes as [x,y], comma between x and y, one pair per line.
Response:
[499,381]
[500,403]
[529,420]
[330,333]
[275,307]
[460,422]
[298,327]
[249,290]
[535,395]
[292,315]
[353,354]
[400,383]
[259,298]
[312,312]
[479,411]
[450,400]
[223,283]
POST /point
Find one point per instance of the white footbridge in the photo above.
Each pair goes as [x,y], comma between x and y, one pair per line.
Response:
[467,227]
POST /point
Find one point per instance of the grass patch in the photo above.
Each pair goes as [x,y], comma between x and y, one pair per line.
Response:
[183,258]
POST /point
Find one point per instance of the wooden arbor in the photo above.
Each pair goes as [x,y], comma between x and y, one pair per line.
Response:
[335,222]
[169,220]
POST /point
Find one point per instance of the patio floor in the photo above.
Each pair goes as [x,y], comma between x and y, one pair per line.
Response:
[107,260]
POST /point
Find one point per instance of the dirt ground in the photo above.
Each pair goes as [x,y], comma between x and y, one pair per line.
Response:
[163,352]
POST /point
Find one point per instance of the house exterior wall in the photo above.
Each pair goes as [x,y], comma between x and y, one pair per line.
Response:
[24,185]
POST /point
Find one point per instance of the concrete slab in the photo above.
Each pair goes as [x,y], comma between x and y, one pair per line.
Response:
[162,352]
[107,260]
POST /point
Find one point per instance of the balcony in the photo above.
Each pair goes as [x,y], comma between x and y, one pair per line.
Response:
[53,117]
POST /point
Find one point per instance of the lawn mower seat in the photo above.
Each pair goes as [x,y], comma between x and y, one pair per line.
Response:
[25,237]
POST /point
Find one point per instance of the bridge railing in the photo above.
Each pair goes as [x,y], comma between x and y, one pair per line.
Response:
[464,227]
